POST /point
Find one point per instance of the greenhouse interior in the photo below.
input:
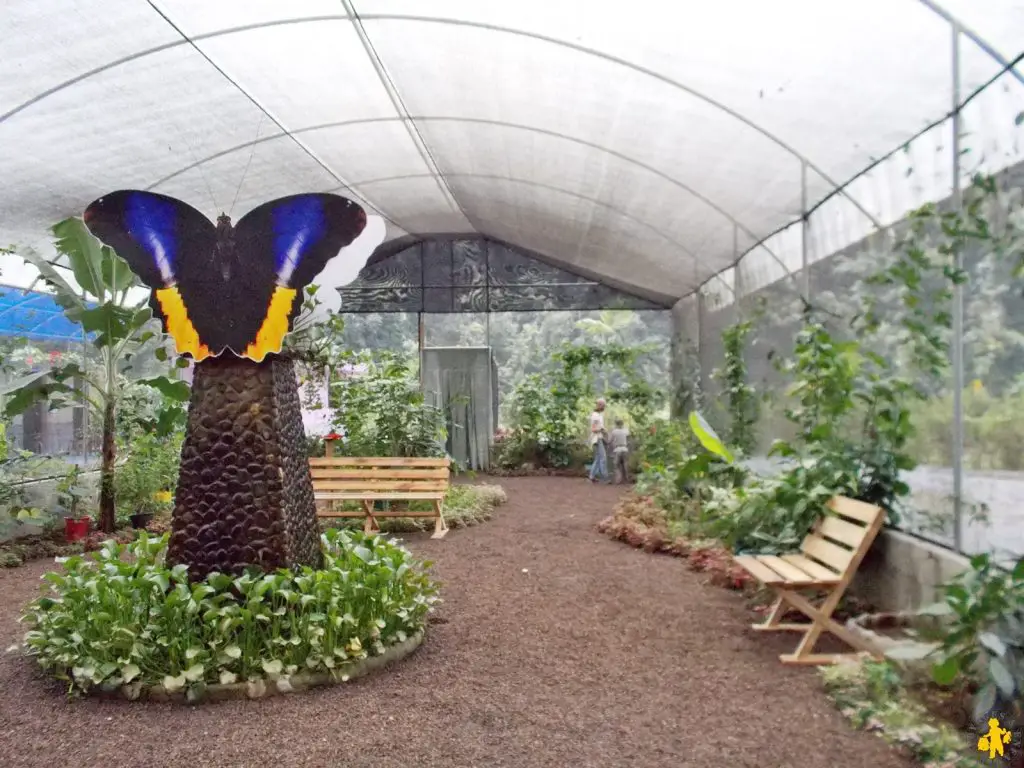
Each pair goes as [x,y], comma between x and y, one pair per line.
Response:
[778,248]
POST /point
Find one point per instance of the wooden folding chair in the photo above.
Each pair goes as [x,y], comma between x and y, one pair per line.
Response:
[827,561]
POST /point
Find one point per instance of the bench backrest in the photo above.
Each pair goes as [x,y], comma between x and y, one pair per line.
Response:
[839,541]
[379,473]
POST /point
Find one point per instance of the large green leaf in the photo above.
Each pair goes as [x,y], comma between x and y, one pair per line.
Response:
[65,296]
[708,438]
[85,255]
[1002,677]
[178,391]
[946,671]
[117,276]
[107,318]
[25,391]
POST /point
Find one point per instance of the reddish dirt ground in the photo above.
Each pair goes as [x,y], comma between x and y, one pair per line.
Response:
[595,655]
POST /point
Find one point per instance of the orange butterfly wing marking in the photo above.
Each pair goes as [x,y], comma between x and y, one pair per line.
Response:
[270,336]
[179,326]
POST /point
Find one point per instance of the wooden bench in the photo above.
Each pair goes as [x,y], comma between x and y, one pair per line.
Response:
[827,561]
[372,479]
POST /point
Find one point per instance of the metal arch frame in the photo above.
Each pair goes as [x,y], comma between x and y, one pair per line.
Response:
[477,121]
[464,23]
[256,103]
[840,189]
[975,38]
[398,103]
[560,190]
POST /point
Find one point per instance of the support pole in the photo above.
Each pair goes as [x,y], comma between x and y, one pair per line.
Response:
[85,403]
[958,313]
[805,231]
[421,334]
[739,287]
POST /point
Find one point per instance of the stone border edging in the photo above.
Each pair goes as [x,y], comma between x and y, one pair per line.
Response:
[267,687]
[916,663]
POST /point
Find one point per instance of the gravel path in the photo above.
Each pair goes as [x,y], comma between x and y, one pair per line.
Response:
[599,655]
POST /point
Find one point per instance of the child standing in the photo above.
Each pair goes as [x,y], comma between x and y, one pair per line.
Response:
[619,440]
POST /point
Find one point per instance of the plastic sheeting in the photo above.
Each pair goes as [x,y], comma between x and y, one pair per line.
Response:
[32,315]
[650,143]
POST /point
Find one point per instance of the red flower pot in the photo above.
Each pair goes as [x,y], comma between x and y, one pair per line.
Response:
[76,529]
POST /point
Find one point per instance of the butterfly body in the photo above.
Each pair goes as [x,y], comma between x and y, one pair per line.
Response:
[225,287]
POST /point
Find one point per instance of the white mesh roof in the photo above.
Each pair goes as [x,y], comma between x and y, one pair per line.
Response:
[647,143]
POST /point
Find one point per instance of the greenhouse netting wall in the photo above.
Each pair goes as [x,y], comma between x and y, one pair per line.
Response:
[522,342]
[845,261]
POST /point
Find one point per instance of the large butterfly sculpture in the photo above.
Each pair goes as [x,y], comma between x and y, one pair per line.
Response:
[222,287]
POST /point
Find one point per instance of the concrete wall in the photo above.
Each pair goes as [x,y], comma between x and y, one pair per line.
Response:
[902,572]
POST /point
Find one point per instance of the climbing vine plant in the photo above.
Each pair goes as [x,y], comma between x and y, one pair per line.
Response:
[740,397]
[549,409]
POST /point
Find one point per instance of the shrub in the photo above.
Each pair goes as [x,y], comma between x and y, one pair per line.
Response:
[382,412]
[871,694]
[151,468]
[982,636]
[122,616]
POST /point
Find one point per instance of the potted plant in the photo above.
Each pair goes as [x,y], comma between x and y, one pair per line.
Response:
[69,495]
[143,481]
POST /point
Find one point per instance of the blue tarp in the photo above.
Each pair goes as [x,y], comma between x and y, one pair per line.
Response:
[34,315]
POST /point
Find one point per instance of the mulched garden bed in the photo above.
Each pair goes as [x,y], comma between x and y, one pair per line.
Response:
[638,522]
[554,647]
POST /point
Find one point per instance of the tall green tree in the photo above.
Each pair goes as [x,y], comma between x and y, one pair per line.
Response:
[124,335]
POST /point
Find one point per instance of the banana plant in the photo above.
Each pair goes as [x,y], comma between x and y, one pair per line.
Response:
[122,333]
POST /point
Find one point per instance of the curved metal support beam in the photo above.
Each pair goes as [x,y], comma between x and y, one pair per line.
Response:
[476,25]
[481,121]
[398,104]
[470,120]
[975,38]
[778,141]
[559,190]
[266,112]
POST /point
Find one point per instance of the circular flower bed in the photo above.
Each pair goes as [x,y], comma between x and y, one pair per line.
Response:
[120,619]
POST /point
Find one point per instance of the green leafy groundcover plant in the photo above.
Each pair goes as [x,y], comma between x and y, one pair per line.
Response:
[873,696]
[122,616]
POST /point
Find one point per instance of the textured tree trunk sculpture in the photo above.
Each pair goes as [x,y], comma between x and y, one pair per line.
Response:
[245,496]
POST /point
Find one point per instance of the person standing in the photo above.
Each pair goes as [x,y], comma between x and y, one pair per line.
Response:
[599,466]
[618,441]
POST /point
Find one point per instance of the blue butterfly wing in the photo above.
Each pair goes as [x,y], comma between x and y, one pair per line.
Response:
[170,246]
[240,291]
[160,237]
[282,246]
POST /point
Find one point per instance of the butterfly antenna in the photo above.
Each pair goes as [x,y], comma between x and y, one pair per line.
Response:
[252,151]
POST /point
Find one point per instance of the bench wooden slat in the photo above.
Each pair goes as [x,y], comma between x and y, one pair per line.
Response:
[842,531]
[353,513]
[758,570]
[817,570]
[380,485]
[379,495]
[414,473]
[828,553]
[792,573]
[856,510]
[375,461]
